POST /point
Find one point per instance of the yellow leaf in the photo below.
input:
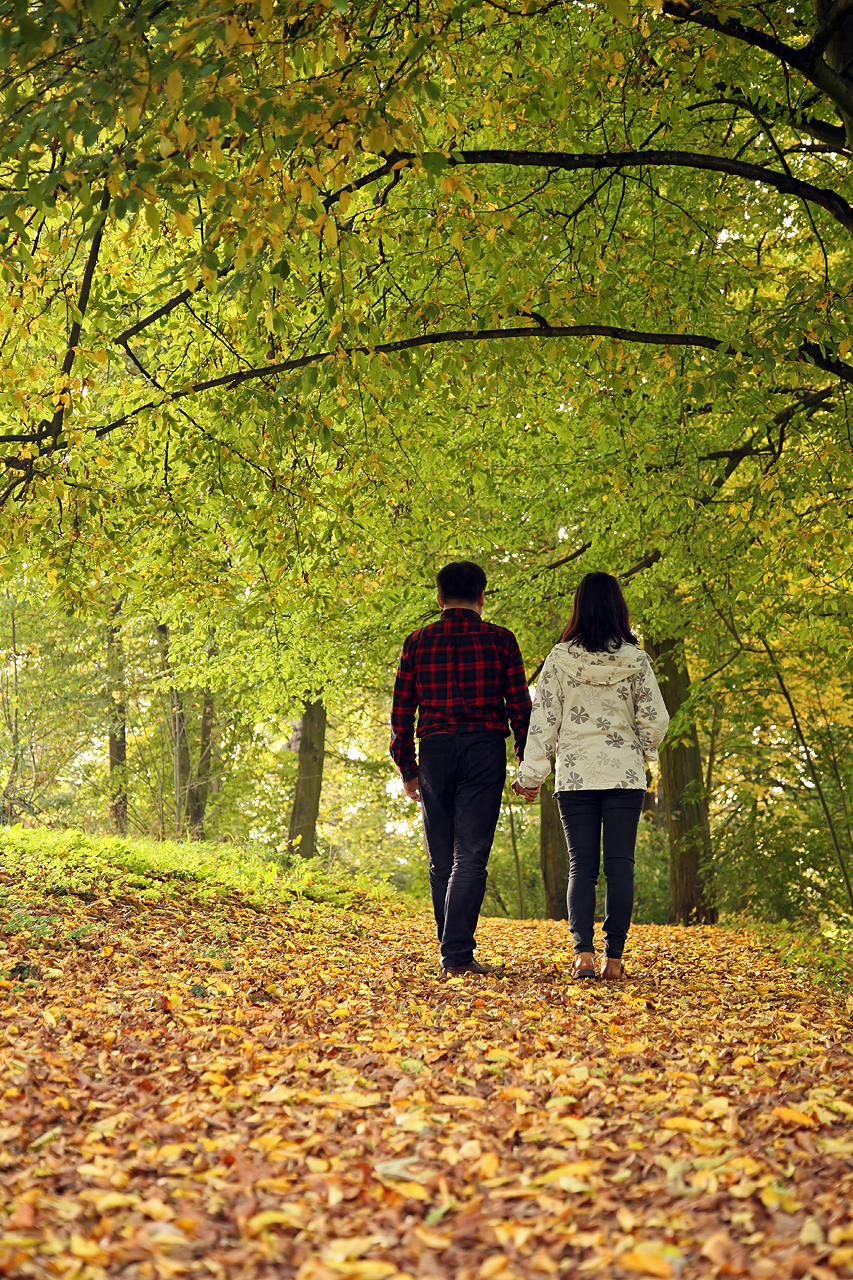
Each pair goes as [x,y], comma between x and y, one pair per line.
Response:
[174,86]
[344,1249]
[682,1124]
[433,1239]
[186,226]
[352,1101]
[83,1248]
[112,1200]
[579,1127]
[411,1190]
[791,1115]
[578,1169]
[492,1266]
[844,347]
[171,1152]
[647,1264]
[157,1210]
[620,11]
[773,1197]
[489,1164]
[111,1123]
[278,1093]
[272,1218]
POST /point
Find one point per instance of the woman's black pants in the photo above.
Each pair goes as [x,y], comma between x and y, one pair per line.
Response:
[585,814]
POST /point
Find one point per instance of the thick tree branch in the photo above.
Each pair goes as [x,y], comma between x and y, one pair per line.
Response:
[807,60]
[53,427]
[809,352]
[785,183]
[834,20]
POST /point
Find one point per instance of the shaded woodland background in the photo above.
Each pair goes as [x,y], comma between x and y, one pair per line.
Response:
[99,733]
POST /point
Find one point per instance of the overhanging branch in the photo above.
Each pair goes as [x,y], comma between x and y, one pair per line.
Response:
[808,60]
[809,353]
[785,183]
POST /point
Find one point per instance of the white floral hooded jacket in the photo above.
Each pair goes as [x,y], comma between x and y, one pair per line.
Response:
[603,716]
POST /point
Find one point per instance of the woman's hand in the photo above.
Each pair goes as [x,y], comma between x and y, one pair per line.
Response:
[529,793]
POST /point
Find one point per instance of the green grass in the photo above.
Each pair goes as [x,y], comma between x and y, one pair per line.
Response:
[38,861]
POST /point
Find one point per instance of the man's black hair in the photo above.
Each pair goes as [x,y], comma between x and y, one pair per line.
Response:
[461,580]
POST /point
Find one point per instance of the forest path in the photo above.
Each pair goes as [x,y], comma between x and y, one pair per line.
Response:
[210,1090]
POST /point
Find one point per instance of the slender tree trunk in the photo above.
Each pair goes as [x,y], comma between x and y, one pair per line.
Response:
[118,724]
[180,745]
[685,798]
[827,813]
[553,855]
[199,787]
[10,713]
[302,837]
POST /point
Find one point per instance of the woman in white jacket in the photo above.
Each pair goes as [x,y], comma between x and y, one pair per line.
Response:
[598,708]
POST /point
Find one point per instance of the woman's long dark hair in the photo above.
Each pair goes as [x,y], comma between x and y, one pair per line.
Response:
[600,621]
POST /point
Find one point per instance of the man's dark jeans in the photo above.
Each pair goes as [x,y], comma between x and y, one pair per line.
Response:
[585,814]
[462,778]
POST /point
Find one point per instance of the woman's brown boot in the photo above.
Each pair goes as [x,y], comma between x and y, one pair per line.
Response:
[613,970]
[583,965]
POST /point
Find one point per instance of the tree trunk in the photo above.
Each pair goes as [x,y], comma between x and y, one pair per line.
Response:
[302,837]
[685,798]
[553,855]
[199,788]
[180,745]
[118,724]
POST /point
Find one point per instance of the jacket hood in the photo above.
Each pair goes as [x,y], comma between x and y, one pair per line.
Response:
[599,668]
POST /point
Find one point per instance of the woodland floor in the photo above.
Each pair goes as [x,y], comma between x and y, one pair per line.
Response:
[212,1090]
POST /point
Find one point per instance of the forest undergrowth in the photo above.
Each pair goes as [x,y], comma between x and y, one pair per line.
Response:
[241,1089]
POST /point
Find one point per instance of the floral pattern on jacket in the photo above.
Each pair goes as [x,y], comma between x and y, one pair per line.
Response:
[601,714]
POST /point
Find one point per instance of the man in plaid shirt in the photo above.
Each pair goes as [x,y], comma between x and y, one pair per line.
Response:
[465,677]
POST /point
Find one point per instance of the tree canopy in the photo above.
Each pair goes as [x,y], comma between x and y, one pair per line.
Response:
[301,300]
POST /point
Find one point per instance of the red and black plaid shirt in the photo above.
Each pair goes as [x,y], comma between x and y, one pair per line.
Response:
[463,675]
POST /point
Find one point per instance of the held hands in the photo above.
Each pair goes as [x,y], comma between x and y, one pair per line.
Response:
[529,793]
[412,789]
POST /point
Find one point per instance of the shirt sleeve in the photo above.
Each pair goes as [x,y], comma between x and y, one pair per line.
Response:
[517,697]
[650,713]
[403,710]
[545,721]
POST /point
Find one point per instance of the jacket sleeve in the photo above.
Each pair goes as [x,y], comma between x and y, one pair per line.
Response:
[545,721]
[650,713]
[403,710]
[517,697]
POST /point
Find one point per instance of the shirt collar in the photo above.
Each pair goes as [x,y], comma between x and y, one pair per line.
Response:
[456,611]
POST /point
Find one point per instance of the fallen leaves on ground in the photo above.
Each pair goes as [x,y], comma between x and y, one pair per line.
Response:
[216,1091]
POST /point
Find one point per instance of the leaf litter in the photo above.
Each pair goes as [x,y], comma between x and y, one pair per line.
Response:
[206,1089]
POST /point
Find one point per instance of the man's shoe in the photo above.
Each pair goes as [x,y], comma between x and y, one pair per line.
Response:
[456,971]
[613,970]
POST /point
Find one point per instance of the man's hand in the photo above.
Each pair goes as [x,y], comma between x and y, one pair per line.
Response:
[412,789]
[529,793]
